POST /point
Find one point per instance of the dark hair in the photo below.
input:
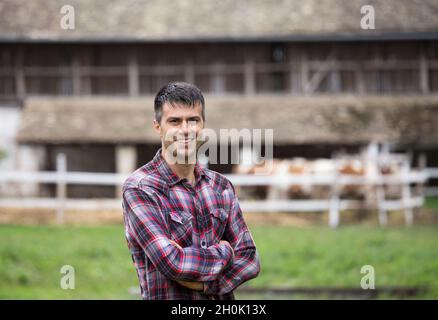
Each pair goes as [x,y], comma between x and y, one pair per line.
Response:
[178,92]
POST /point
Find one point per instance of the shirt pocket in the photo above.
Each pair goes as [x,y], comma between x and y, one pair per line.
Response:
[181,227]
[219,219]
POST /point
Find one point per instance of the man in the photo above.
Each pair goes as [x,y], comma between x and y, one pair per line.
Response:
[183,223]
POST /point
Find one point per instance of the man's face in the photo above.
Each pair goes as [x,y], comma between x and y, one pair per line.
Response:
[179,129]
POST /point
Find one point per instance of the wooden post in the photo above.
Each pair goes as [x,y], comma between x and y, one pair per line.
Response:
[61,188]
[76,74]
[133,75]
[381,208]
[419,189]
[406,194]
[424,73]
[304,73]
[291,77]
[360,79]
[218,79]
[374,176]
[335,80]
[334,204]
[30,158]
[126,162]
[249,76]
[294,73]
[189,72]
[20,80]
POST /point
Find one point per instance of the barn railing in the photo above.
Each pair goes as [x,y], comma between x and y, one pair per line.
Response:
[298,77]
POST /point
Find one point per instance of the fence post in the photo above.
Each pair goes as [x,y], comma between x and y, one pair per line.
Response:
[406,194]
[61,189]
[419,189]
[334,204]
[380,197]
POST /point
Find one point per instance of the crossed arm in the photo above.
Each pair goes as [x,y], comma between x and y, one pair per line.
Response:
[147,225]
[245,264]
[217,269]
[194,285]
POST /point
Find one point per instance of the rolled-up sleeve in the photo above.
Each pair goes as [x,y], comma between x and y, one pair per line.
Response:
[147,225]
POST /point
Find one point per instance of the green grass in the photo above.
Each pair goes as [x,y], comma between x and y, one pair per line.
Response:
[31,258]
[431,203]
[320,256]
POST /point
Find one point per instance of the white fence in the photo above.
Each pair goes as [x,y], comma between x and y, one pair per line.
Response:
[334,204]
[432,173]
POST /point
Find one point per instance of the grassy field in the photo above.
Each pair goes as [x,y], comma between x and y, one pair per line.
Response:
[431,203]
[31,258]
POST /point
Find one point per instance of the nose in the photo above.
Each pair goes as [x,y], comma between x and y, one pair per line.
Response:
[188,127]
[185,127]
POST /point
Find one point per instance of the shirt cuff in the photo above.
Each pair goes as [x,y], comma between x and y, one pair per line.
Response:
[228,254]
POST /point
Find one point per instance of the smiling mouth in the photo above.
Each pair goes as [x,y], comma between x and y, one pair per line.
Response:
[185,142]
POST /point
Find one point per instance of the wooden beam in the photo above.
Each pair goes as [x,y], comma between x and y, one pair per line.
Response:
[189,72]
[322,71]
[61,187]
[217,78]
[20,80]
[304,73]
[126,162]
[294,74]
[76,74]
[360,79]
[249,77]
[424,72]
[133,75]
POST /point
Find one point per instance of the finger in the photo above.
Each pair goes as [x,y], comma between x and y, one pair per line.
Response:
[175,244]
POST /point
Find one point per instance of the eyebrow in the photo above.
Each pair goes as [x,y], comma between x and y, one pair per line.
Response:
[179,118]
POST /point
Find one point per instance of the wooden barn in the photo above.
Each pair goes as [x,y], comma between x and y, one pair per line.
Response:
[307,70]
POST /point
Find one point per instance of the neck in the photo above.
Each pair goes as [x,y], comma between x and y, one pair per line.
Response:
[181,170]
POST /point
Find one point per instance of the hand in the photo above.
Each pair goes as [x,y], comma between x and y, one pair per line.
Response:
[198,286]
[224,242]
[193,285]
[221,242]
[175,244]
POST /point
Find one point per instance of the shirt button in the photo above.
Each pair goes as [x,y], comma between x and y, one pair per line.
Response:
[203,244]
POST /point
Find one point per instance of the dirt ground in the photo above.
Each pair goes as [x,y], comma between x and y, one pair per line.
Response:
[81,217]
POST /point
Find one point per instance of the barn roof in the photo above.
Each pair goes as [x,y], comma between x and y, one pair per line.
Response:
[225,20]
[295,120]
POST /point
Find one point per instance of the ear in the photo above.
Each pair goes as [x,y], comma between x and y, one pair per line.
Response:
[157,127]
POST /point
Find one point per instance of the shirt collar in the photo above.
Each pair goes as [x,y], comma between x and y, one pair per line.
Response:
[171,177]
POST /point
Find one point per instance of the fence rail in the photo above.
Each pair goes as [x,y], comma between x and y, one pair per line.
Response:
[334,204]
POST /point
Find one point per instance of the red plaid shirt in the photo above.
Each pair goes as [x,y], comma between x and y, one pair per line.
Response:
[158,206]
